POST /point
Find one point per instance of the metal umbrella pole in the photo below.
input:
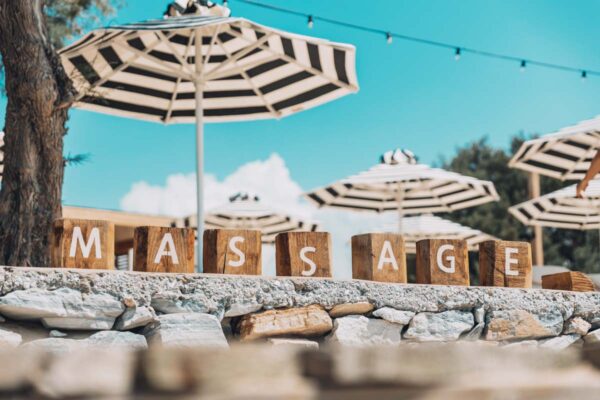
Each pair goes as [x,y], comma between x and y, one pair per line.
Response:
[199,149]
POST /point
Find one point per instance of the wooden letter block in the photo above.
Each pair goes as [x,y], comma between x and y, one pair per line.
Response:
[229,251]
[574,281]
[505,264]
[158,249]
[85,244]
[379,257]
[303,254]
[442,262]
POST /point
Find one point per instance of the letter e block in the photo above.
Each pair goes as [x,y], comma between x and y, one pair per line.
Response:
[443,262]
[303,254]
[158,249]
[571,280]
[505,264]
[379,257]
[229,251]
[85,244]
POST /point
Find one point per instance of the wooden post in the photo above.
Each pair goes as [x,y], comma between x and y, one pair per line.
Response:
[303,254]
[505,264]
[538,238]
[443,262]
[236,252]
[379,257]
[85,244]
[159,249]
[571,280]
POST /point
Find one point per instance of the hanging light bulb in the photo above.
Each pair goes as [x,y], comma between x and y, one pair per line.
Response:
[583,76]
[311,23]
[389,38]
[523,65]
[457,54]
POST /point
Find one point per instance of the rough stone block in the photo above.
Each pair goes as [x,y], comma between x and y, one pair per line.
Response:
[577,325]
[520,324]
[119,340]
[360,331]
[341,310]
[300,344]
[439,327]
[303,321]
[186,330]
[135,317]
[392,315]
[559,342]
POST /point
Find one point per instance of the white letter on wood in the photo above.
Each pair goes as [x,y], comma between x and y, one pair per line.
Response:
[508,261]
[450,259]
[237,252]
[86,248]
[387,256]
[162,249]
[311,263]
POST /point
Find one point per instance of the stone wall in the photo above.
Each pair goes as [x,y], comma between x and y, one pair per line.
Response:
[60,309]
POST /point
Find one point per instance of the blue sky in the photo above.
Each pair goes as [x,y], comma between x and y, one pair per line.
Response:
[411,96]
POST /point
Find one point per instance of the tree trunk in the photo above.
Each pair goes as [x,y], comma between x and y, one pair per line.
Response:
[38,92]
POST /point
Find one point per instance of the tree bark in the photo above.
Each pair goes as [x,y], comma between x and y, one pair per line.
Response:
[38,91]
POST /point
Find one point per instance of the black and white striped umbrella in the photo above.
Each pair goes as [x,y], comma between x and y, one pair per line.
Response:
[196,69]
[561,209]
[399,183]
[1,155]
[564,155]
[246,211]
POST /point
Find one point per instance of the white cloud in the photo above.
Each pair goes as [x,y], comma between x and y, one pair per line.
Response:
[272,181]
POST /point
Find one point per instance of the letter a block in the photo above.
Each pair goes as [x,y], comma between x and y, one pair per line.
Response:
[443,262]
[303,254]
[505,264]
[379,257]
[232,251]
[85,244]
[158,249]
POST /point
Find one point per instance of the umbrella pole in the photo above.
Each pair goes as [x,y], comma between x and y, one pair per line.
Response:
[399,200]
[199,148]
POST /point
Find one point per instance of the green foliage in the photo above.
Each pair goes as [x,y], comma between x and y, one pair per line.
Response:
[573,249]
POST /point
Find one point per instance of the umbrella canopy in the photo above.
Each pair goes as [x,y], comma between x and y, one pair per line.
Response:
[400,183]
[246,211]
[564,155]
[561,209]
[192,69]
[432,227]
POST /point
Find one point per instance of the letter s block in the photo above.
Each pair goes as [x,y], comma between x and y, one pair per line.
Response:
[379,257]
[85,244]
[443,262]
[158,249]
[232,251]
[303,254]
[505,264]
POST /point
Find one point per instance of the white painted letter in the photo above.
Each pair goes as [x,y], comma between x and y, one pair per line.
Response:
[311,263]
[86,248]
[508,261]
[162,249]
[242,257]
[387,256]
[450,259]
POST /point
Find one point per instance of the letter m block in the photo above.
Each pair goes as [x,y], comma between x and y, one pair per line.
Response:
[85,244]
[232,251]
[158,249]
[443,262]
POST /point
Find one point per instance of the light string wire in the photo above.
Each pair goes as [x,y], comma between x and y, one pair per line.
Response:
[388,35]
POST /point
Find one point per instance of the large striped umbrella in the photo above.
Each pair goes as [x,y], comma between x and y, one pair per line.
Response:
[399,183]
[246,211]
[561,209]
[564,155]
[196,69]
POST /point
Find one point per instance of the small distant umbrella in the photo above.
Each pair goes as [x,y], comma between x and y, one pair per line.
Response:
[564,155]
[433,227]
[245,211]
[400,184]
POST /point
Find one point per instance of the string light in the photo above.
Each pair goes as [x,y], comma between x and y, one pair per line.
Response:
[524,62]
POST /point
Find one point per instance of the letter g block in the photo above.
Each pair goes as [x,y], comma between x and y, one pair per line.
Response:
[303,254]
[442,262]
[232,251]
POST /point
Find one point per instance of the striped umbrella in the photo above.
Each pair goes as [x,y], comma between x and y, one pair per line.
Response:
[561,209]
[399,183]
[564,155]
[246,211]
[432,227]
[196,69]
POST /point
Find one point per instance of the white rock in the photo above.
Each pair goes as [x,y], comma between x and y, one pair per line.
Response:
[524,343]
[392,315]
[577,325]
[78,323]
[520,324]
[357,330]
[475,333]
[294,343]
[186,330]
[125,340]
[444,326]
[239,309]
[9,338]
[560,342]
[479,314]
[135,318]
[592,337]
[55,345]
[57,334]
